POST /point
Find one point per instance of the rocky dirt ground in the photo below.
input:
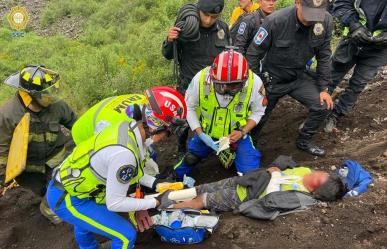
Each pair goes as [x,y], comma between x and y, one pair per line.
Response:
[359,222]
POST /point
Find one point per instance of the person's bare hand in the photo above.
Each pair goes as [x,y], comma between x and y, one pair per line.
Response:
[325,97]
[173,34]
[235,136]
[272,169]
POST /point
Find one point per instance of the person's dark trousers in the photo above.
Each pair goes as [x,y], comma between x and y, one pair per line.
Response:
[183,136]
[36,182]
[366,59]
[304,90]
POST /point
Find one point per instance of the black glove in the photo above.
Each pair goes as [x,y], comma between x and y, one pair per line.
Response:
[164,201]
[360,33]
[179,128]
[380,40]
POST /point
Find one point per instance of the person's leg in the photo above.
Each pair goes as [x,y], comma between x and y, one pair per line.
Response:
[307,93]
[88,218]
[368,63]
[36,182]
[247,157]
[216,186]
[222,200]
[339,69]
[197,150]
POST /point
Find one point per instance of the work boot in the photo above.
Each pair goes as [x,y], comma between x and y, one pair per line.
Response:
[330,123]
[46,211]
[309,147]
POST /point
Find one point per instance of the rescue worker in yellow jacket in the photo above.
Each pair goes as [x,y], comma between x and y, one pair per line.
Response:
[91,185]
[245,7]
[224,100]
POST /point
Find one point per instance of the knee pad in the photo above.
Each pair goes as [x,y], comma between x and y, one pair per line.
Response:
[191,159]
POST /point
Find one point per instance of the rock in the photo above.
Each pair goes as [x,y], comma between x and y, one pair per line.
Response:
[325,220]
[213,244]
[323,211]
[230,236]
[385,153]
[333,168]
[234,246]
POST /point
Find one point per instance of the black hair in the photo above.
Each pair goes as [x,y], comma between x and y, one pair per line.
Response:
[333,189]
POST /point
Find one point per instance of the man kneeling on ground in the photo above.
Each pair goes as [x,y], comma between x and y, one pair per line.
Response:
[295,185]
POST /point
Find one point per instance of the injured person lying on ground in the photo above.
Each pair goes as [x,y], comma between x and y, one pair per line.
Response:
[282,188]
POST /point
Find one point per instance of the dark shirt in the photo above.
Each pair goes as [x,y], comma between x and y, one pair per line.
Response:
[247,29]
[289,45]
[194,56]
[46,137]
[374,10]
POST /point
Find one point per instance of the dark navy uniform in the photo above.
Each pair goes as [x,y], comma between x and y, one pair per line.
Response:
[287,45]
[366,57]
[194,56]
[243,34]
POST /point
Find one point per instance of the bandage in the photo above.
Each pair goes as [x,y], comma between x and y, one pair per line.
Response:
[179,195]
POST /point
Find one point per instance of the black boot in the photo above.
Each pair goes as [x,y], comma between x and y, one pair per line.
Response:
[309,147]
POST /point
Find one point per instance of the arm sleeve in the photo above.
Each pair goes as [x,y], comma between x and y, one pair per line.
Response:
[242,39]
[6,132]
[147,180]
[256,107]
[345,11]
[255,51]
[116,191]
[323,57]
[192,101]
[69,117]
[167,50]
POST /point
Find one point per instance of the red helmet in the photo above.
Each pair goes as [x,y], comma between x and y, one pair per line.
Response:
[167,105]
[229,72]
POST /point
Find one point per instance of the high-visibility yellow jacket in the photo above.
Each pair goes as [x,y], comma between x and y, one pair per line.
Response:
[238,12]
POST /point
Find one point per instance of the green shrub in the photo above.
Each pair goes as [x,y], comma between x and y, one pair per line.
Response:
[119,50]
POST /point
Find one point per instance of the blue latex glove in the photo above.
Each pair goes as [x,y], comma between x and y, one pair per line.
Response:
[208,141]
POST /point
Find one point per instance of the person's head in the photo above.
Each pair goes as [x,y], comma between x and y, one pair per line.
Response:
[245,4]
[39,82]
[311,11]
[209,11]
[324,186]
[229,72]
[166,107]
[267,6]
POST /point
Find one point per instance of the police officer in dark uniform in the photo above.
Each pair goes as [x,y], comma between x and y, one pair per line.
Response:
[243,34]
[364,46]
[196,39]
[287,39]
[200,50]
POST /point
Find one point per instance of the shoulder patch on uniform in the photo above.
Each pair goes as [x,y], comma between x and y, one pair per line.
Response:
[242,28]
[260,36]
[125,173]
